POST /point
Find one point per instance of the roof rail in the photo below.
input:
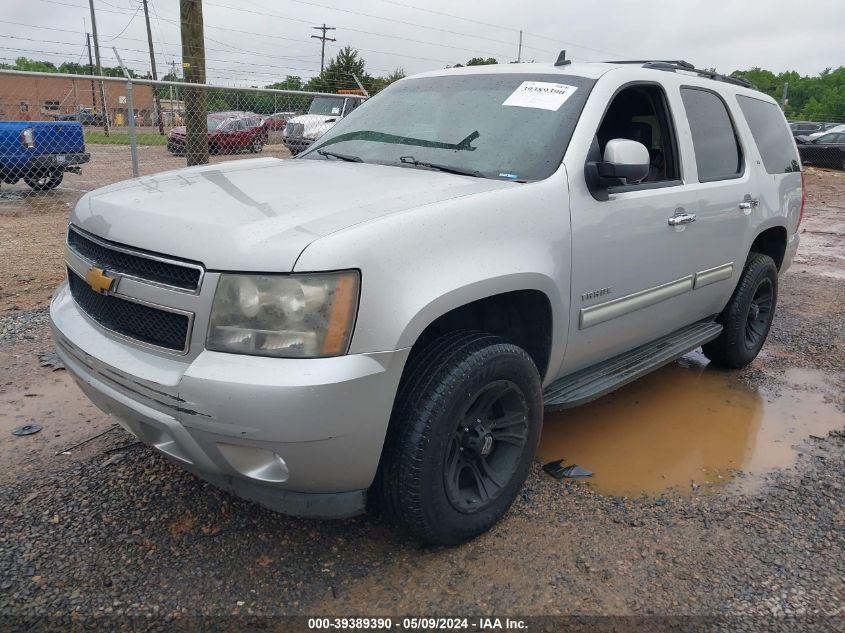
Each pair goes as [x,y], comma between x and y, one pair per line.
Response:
[673,65]
[676,62]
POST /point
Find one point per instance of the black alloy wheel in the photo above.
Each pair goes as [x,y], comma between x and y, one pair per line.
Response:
[485,451]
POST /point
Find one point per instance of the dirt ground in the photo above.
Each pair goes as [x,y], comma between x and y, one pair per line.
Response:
[715,493]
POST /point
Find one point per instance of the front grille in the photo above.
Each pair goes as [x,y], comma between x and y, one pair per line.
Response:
[141,322]
[146,267]
[294,130]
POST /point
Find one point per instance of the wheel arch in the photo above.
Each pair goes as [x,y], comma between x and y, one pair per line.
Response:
[523,314]
[771,241]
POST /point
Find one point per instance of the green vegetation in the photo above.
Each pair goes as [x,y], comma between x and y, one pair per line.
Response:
[122,138]
[71,68]
[818,98]
[477,61]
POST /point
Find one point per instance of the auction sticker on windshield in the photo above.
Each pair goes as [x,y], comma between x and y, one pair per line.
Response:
[540,94]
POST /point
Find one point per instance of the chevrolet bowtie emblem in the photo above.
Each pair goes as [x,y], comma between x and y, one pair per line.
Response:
[99,280]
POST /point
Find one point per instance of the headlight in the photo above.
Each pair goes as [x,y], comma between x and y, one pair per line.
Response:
[288,316]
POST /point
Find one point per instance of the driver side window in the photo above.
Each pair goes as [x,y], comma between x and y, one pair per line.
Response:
[641,113]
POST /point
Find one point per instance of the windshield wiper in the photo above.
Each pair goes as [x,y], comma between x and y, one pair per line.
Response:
[347,157]
[410,160]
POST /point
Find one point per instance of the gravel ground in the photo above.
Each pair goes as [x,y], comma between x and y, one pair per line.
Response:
[119,532]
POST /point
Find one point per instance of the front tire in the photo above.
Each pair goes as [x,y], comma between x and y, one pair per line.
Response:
[463,433]
[748,316]
[256,146]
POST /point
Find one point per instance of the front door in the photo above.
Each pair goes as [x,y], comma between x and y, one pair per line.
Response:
[632,273]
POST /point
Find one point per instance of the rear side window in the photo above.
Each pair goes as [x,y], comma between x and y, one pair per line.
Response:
[717,152]
[770,134]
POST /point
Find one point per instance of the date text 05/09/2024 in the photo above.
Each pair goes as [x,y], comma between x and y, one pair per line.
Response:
[419,624]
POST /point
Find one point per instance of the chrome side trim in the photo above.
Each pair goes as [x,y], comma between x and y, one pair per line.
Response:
[134,253]
[123,337]
[712,275]
[608,310]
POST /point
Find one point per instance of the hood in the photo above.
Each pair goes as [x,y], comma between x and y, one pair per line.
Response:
[180,130]
[259,214]
[305,119]
[315,125]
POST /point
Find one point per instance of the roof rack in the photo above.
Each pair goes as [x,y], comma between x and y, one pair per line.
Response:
[673,65]
[676,62]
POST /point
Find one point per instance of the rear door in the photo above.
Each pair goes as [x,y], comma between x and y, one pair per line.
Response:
[725,192]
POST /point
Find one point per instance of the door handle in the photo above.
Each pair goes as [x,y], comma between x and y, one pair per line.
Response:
[749,203]
[679,219]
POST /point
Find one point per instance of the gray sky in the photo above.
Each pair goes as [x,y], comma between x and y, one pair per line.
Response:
[257,42]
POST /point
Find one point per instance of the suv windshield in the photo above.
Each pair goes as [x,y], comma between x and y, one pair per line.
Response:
[509,126]
[326,105]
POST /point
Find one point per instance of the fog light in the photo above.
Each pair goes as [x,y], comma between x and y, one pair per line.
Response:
[255,463]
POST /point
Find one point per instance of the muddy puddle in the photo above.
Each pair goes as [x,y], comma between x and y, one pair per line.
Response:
[687,426]
[34,395]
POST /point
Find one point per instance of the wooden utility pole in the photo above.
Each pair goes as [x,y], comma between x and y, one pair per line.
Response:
[193,64]
[323,39]
[91,68]
[153,69]
[99,69]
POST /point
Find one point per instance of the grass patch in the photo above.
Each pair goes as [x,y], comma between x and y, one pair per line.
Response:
[122,138]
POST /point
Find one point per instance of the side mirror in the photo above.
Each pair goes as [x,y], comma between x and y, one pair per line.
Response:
[625,160]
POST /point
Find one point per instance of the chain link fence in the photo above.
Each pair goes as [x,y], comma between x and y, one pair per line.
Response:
[63,135]
[821,143]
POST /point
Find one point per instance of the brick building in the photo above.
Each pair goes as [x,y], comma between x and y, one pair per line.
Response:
[44,98]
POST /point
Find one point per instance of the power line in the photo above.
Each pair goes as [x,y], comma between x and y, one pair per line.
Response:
[499,26]
[128,24]
[386,19]
[474,51]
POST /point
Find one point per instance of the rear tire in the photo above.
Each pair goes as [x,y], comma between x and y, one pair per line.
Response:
[462,436]
[748,316]
[45,182]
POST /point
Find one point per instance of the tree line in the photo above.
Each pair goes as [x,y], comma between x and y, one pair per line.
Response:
[813,98]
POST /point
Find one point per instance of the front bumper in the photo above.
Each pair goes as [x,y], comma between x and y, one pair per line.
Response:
[297,145]
[301,436]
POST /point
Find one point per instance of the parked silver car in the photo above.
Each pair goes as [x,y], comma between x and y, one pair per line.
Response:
[382,320]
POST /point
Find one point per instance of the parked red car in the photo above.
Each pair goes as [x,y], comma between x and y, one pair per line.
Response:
[277,121]
[228,132]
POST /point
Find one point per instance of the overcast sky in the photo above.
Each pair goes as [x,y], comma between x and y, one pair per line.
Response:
[261,41]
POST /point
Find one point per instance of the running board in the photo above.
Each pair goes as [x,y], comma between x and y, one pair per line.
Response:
[592,382]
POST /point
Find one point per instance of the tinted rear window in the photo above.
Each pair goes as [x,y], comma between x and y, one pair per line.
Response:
[717,152]
[770,134]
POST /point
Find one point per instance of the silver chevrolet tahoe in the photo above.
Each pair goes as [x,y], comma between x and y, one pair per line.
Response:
[381,321]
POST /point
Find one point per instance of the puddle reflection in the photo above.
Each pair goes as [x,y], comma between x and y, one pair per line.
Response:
[686,423]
